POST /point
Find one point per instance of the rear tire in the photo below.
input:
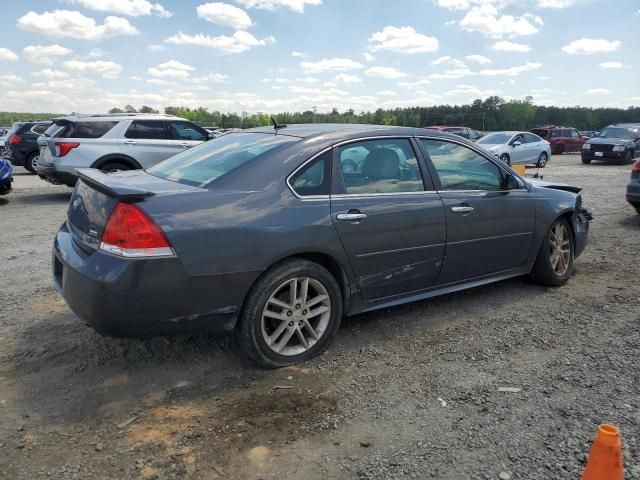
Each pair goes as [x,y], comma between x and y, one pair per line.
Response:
[586,161]
[542,160]
[31,162]
[270,308]
[627,159]
[111,166]
[554,264]
[506,159]
[559,149]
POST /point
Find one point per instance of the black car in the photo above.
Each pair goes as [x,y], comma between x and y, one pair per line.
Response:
[633,188]
[267,232]
[618,143]
[23,146]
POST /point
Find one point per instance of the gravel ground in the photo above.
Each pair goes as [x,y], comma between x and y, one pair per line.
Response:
[408,392]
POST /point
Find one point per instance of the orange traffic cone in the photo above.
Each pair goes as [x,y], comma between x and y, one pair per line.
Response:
[605,459]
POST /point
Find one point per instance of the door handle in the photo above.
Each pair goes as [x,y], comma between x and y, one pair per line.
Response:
[351,217]
[130,142]
[462,209]
[185,145]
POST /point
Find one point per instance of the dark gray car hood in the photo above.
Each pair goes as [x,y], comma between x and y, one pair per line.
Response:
[608,141]
[554,185]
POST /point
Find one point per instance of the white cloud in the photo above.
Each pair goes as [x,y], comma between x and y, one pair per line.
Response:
[512,71]
[97,53]
[598,91]
[104,68]
[470,91]
[212,78]
[49,74]
[506,46]
[347,78]
[441,60]
[237,43]
[298,54]
[590,45]
[384,72]
[155,47]
[413,84]
[171,69]
[7,55]
[225,15]
[45,54]
[402,40]
[10,78]
[294,5]
[454,4]
[556,3]
[387,93]
[368,57]
[450,74]
[66,23]
[611,65]
[481,59]
[331,65]
[485,19]
[543,78]
[133,8]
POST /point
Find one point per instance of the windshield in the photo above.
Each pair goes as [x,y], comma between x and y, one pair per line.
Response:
[620,132]
[205,163]
[495,139]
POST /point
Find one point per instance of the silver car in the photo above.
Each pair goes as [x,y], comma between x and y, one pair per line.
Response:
[112,143]
[513,148]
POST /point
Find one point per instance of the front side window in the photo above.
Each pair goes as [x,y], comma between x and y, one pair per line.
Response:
[460,168]
[147,130]
[556,134]
[313,179]
[201,165]
[380,166]
[187,131]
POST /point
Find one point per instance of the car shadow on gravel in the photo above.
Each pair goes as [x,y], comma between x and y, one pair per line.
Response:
[47,198]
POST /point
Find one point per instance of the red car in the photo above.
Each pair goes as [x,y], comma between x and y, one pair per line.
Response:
[562,139]
[464,132]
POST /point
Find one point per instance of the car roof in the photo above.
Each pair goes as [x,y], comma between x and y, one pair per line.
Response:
[435,127]
[119,117]
[626,125]
[306,130]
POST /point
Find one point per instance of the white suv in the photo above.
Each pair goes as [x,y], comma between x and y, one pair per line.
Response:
[112,142]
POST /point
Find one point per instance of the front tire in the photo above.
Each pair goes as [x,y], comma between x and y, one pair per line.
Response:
[290,315]
[627,159]
[554,264]
[542,160]
[586,161]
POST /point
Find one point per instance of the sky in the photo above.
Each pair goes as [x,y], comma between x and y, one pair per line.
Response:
[292,55]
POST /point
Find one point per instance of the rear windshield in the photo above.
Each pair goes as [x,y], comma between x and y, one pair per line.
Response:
[541,132]
[85,129]
[495,139]
[620,132]
[205,163]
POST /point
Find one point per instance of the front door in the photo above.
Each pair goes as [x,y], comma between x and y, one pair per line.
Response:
[392,227]
[489,228]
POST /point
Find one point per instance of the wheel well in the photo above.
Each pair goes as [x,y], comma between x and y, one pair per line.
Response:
[568,216]
[116,158]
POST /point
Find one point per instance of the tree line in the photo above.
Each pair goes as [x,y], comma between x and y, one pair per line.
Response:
[491,114]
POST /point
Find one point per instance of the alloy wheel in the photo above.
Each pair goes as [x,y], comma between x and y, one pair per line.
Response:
[34,162]
[542,160]
[296,316]
[560,249]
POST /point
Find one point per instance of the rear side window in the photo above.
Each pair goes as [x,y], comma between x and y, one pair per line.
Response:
[556,133]
[53,130]
[313,179]
[39,129]
[187,131]
[541,132]
[147,129]
[85,129]
[201,165]
[531,138]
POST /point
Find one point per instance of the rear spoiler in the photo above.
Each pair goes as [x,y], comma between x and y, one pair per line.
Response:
[112,185]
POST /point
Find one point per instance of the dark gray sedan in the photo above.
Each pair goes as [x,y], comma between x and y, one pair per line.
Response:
[269,233]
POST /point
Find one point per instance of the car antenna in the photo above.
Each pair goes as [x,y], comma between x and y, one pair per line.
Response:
[277,126]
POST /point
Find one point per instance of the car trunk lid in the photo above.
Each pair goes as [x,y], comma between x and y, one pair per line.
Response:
[96,195]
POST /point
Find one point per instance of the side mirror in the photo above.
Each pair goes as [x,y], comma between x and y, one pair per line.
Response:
[517,143]
[511,182]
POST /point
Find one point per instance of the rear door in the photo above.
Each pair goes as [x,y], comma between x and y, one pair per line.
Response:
[147,141]
[534,147]
[489,229]
[390,221]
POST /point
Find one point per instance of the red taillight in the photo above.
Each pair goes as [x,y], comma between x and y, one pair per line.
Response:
[636,167]
[129,232]
[15,139]
[62,148]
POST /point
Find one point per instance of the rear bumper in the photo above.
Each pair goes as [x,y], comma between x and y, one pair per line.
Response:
[51,174]
[633,193]
[144,297]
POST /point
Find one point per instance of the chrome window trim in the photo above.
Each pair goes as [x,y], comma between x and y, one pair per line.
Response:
[304,164]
